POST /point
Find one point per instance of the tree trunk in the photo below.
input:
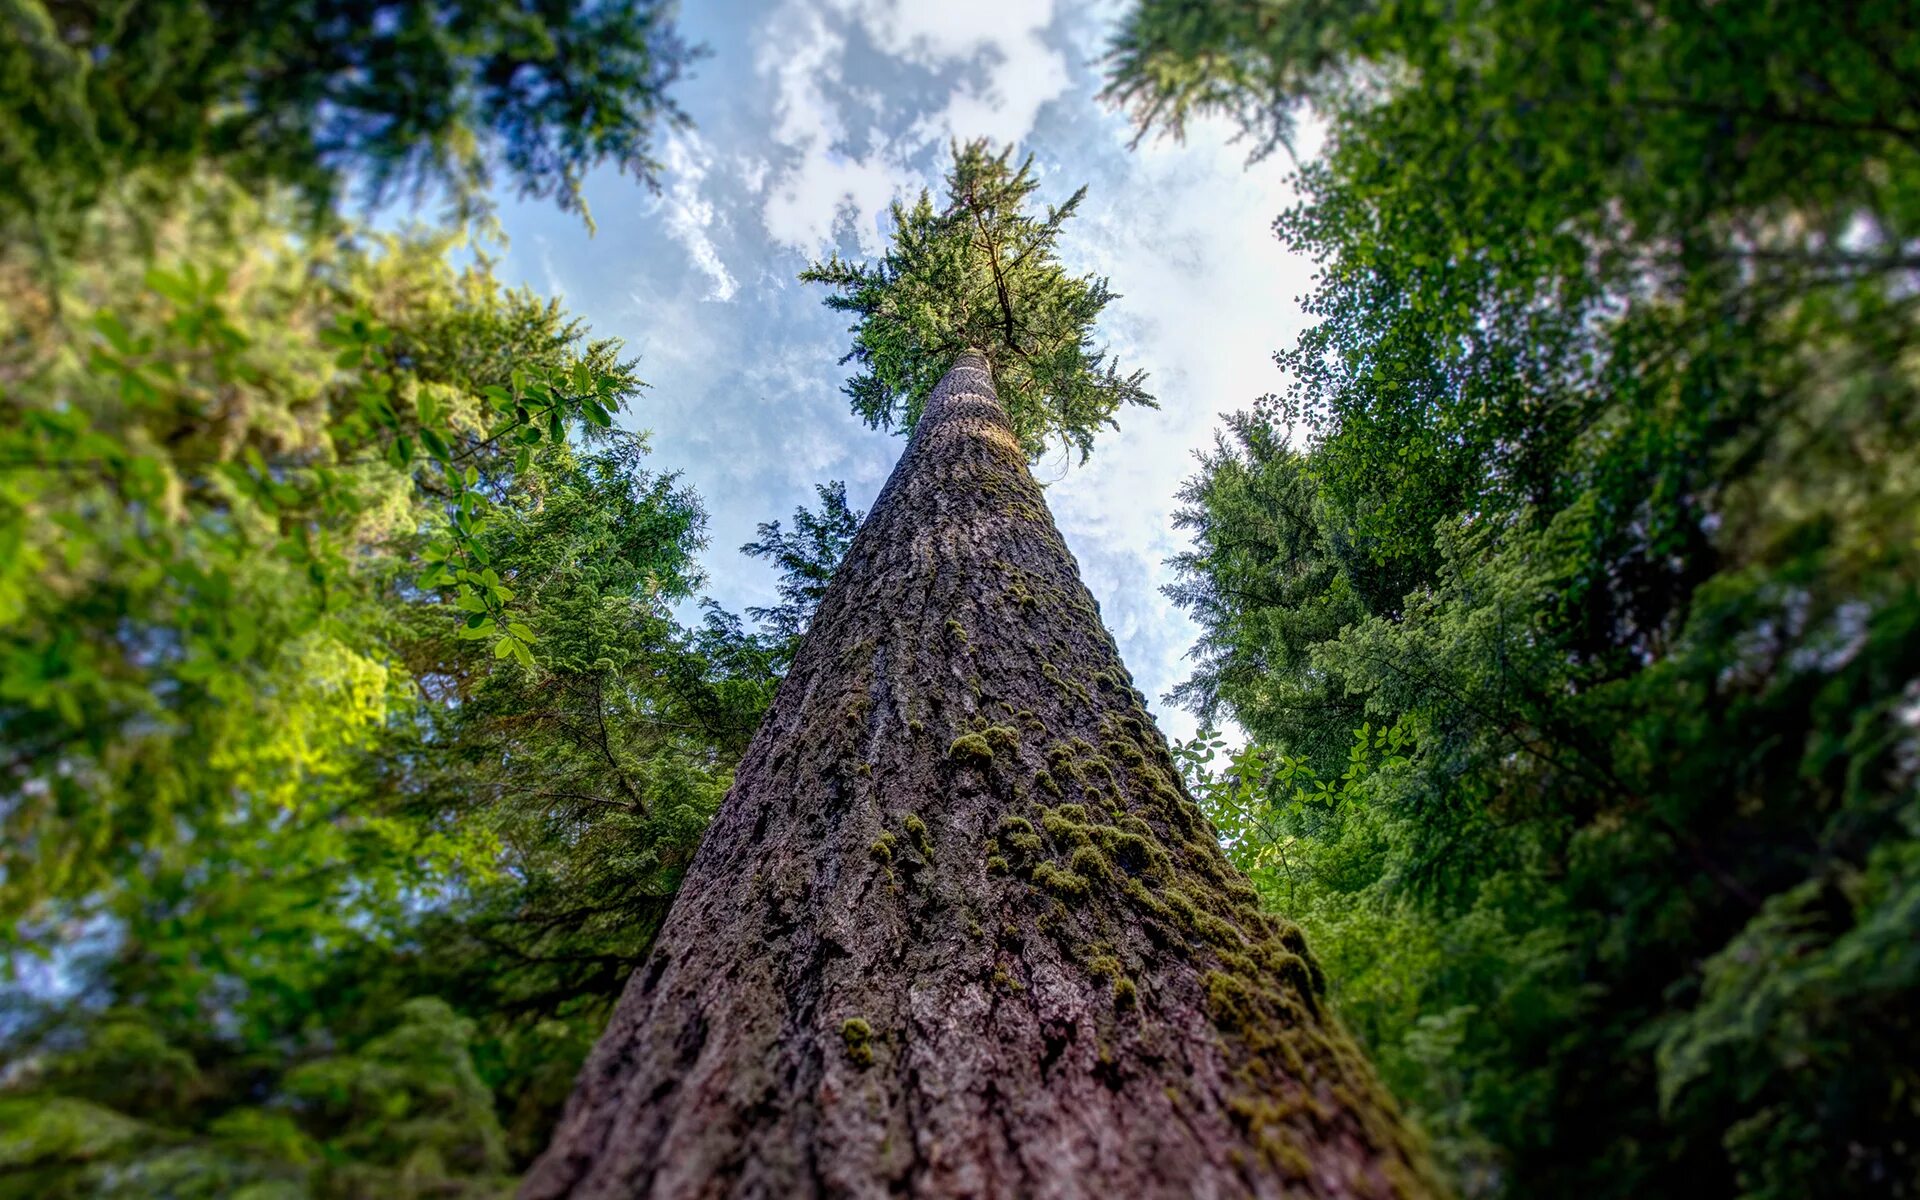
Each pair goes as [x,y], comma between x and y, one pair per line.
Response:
[958,930]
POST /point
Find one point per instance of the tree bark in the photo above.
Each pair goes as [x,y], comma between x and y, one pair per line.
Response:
[958,930]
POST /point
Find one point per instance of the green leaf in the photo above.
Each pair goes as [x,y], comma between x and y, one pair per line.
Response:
[114,330]
[173,286]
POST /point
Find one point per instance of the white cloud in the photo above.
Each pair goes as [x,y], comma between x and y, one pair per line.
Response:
[1207,296]
[807,207]
[1018,72]
[689,214]
[805,204]
[549,270]
[802,54]
[1002,74]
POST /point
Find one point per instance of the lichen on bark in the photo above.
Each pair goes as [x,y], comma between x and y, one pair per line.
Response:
[958,930]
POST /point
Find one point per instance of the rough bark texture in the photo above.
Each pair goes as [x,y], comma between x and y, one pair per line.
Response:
[958,930]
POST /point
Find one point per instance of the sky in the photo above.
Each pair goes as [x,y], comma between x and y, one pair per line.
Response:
[808,118]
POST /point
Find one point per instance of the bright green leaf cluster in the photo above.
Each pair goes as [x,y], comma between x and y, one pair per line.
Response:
[337,674]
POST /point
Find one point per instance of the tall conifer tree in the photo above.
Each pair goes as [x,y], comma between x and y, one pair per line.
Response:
[958,930]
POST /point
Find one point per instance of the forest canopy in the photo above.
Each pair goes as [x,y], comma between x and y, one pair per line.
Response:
[352,746]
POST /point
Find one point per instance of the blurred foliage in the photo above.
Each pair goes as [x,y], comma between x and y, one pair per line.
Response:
[1596,484]
[377,95]
[981,273]
[352,750]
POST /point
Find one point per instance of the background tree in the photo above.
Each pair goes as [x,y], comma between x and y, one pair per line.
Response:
[807,558]
[352,746]
[1613,302]
[318,875]
[981,273]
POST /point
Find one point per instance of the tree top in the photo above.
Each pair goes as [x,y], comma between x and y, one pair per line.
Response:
[981,272]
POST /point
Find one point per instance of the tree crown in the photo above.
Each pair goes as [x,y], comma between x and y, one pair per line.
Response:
[980,272]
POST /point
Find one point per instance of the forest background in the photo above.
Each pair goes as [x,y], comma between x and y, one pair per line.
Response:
[360,702]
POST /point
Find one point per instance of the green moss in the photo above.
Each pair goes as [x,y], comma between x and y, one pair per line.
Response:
[1065,833]
[971,746]
[956,631]
[1066,884]
[979,744]
[1230,1000]
[1129,851]
[1046,783]
[1089,862]
[858,1037]
[1128,753]
[1241,892]
[917,830]
[1146,901]
[1002,979]
[1125,995]
[1181,906]
[1295,971]
[1016,833]
[1062,756]
[881,848]
[996,865]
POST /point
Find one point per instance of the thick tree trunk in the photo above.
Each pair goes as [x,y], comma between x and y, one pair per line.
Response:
[958,930]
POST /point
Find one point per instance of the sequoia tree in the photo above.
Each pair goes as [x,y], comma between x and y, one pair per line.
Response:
[958,929]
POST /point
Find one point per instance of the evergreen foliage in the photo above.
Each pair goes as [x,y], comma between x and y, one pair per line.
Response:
[980,272]
[807,557]
[1601,511]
